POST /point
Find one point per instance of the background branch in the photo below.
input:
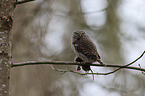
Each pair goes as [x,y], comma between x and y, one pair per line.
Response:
[23,1]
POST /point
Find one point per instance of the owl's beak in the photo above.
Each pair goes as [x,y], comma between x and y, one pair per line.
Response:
[80,35]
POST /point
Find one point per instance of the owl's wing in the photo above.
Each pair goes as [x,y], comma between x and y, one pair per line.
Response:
[86,47]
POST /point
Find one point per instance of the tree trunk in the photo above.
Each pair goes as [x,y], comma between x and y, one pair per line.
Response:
[6,10]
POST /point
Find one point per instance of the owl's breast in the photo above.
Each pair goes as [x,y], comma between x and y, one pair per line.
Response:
[86,50]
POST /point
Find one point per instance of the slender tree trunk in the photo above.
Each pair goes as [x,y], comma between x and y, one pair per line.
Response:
[109,35]
[6,10]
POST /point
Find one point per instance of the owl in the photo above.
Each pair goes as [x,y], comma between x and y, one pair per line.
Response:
[85,50]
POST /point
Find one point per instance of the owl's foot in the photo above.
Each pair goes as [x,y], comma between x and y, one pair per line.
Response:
[77,59]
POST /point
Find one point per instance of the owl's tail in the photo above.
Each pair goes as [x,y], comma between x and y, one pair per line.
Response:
[86,68]
[92,74]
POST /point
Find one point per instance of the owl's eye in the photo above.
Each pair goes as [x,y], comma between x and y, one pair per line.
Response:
[75,32]
[78,34]
[82,33]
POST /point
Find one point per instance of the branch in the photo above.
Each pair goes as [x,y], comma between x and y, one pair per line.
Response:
[81,64]
[72,63]
[126,65]
[23,1]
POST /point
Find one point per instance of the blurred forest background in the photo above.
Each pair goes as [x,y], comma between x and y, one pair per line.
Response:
[42,31]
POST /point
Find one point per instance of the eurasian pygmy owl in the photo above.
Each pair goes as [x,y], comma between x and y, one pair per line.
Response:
[85,49]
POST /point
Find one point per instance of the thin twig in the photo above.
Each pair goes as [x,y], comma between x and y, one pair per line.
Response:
[142,71]
[92,74]
[126,65]
[64,71]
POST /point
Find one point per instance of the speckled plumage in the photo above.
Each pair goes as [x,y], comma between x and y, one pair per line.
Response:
[84,48]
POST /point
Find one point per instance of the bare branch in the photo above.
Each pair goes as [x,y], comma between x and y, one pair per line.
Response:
[73,63]
[119,66]
[126,65]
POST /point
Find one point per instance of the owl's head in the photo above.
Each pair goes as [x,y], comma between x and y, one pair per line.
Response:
[79,34]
